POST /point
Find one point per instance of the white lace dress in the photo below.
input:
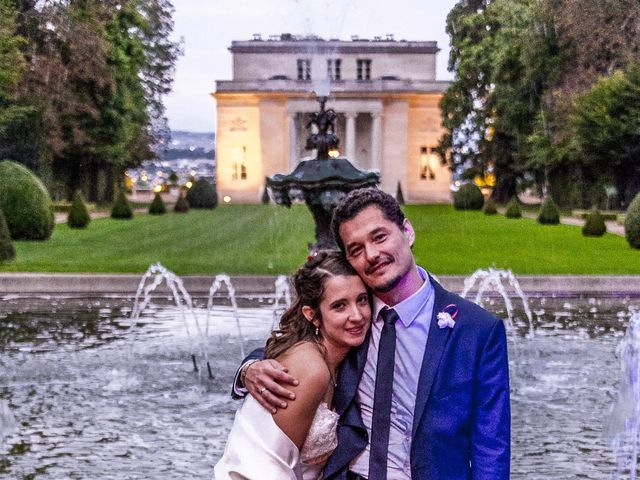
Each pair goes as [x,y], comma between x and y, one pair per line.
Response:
[258,450]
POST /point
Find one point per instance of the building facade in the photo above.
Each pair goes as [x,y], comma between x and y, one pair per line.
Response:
[383,90]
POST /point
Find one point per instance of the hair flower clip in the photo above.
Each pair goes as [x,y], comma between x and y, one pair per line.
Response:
[446,318]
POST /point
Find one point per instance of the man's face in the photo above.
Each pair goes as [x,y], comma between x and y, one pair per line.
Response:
[378,249]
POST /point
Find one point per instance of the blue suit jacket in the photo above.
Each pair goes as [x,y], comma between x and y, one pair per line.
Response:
[462,424]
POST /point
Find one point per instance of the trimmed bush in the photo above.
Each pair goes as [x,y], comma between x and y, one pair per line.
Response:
[78,214]
[594,225]
[266,200]
[7,252]
[181,206]
[469,197]
[121,208]
[490,207]
[399,195]
[25,202]
[513,209]
[202,195]
[157,207]
[632,223]
[549,213]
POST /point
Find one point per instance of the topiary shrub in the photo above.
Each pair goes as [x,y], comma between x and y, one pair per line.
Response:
[181,206]
[266,200]
[468,197]
[513,209]
[594,225]
[25,202]
[202,195]
[490,207]
[549,213]
[121,208]
[7,252]
[78,214]
[632,223]
[399,195]
[157,206]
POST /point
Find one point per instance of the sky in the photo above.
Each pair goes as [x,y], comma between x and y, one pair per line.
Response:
[207,28]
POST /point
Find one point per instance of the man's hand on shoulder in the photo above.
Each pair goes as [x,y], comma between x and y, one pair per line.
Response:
[264,380]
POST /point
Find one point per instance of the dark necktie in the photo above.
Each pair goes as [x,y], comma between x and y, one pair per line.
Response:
[382,397]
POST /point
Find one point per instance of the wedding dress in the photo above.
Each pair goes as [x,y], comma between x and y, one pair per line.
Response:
[258,450]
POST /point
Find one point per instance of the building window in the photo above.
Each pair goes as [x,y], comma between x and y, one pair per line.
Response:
[239,164]
[334,68]
[363,67]
[428,163]
[304,69]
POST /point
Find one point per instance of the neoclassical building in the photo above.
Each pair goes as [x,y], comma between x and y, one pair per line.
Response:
[384,91]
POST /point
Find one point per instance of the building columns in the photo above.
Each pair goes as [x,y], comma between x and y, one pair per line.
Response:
[376,134]
[293,142]
[350,133]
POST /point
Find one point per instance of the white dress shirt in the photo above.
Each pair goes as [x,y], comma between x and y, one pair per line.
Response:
[411,339]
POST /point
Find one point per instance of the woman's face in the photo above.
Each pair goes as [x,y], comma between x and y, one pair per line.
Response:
[345,312]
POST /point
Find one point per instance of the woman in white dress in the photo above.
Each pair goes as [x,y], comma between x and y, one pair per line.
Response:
[331,314]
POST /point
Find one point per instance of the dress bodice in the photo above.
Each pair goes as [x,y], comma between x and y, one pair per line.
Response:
[258,450]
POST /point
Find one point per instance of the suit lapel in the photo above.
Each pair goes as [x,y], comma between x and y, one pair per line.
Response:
[436,343]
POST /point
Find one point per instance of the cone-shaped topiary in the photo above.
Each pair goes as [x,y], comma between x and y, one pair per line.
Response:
[632,223]
[513,209]
[181,206]
[594,225]
[157,206]
[266,200]
[549,213]
[399,195]
[78,214]
[490,207]
[25,202]
[121,207]
[469,197]
[202,195]
[7,252]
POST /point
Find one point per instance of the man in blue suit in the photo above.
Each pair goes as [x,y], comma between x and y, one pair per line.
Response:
[426,396]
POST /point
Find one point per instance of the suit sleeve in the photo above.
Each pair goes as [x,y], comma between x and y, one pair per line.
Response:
[237,390]
[491,429]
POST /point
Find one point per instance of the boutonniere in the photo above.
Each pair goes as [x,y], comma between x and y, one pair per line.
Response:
[446,318]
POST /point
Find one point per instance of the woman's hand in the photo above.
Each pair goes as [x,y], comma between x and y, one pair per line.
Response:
[262,379]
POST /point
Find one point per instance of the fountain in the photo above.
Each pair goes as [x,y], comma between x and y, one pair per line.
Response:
[323,181]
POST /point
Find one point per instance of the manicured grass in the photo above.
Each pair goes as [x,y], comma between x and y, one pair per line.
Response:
[268,239]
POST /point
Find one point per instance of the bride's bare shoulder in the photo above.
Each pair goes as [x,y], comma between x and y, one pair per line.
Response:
[306,363]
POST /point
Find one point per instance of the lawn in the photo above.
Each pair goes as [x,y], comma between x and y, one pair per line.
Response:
[268,239]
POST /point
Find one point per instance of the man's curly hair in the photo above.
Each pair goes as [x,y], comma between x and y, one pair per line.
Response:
[358,200]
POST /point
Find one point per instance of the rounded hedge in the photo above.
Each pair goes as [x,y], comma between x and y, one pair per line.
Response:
[25,202]
[121,208]
[513,209]
[7,252]
[157,206]
[202,195]
[468,197]
[632,223]
[594,225]
[78,214]
[181,206]
[549,213]
[490,207]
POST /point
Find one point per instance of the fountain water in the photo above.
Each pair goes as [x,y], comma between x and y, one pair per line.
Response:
[283,293]
[7,420]
[625,420]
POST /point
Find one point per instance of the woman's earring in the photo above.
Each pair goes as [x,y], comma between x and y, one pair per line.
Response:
[317,331]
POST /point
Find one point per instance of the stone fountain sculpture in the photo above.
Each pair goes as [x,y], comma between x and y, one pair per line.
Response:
[323,181]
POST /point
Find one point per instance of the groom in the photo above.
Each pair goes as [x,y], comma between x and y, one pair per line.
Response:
[426,397]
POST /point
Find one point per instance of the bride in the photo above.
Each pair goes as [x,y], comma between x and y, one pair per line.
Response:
[330,315]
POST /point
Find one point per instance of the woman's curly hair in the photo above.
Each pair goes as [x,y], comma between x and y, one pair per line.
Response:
[309,285]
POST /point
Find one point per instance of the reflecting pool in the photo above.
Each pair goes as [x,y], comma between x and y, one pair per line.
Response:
[94,396]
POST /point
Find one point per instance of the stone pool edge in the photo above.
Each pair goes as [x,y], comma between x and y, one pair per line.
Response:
[22,283]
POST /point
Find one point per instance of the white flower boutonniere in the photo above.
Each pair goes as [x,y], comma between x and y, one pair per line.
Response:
[446,318]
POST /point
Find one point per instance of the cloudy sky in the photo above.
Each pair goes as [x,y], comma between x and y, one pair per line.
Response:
[207,28]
